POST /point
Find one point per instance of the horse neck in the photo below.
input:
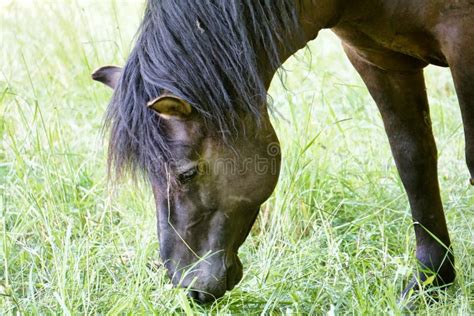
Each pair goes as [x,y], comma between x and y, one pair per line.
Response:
[314,15]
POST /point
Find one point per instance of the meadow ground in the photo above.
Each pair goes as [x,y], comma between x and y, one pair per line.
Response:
[336,237]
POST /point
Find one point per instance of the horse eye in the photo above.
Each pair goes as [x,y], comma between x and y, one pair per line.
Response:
[188,175]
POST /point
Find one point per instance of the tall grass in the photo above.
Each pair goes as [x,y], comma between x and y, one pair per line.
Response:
[336,237]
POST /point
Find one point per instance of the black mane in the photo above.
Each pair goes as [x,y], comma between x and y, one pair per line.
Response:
[204,52]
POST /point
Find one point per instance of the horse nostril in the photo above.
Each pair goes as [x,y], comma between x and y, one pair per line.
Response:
[193,295]
[201,298]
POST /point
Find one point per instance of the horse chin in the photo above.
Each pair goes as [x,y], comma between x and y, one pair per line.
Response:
[234,274]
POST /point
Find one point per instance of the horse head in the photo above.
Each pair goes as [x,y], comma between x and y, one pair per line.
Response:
[211,192]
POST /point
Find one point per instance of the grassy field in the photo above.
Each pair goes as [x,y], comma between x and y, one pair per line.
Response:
[336,237]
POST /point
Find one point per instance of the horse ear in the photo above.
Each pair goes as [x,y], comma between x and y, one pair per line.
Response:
[108,75]
[170,106]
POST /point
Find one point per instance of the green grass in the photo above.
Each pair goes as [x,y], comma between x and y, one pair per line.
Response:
[336,237]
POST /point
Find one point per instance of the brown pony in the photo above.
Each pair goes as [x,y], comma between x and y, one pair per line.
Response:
[190,110]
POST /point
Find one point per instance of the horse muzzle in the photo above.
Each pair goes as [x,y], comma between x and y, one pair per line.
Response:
[211,279]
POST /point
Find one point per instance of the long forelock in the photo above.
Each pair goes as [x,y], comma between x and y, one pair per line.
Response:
[203,52]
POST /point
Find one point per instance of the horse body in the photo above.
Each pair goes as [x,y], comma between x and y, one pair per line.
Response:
[388,42]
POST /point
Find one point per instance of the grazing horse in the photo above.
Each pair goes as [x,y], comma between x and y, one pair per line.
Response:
[189,112]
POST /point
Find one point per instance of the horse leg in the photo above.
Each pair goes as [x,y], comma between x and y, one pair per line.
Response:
[460,54]
[403,103]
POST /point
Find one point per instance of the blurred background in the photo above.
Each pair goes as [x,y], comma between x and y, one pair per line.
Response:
[336,237]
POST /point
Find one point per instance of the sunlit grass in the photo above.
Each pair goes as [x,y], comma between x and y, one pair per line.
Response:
[336,237]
